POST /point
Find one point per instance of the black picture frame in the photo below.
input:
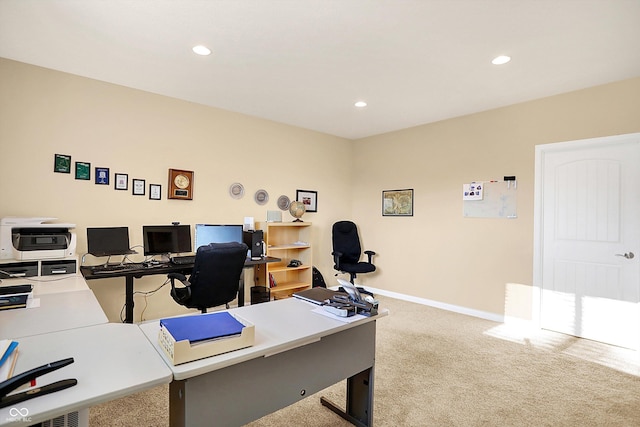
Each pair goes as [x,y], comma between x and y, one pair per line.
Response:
[121,181]
[138,187]
[83,171]
[309,199]
[62,163]
[155,192]
[397,202]
[102,176]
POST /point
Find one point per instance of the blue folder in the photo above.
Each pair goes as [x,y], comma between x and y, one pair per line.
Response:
[202,327]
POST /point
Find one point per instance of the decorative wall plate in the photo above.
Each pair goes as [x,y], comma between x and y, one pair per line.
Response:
[261,197]
[283,202]
[236,190]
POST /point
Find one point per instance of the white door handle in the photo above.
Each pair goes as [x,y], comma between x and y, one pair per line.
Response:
[628,255]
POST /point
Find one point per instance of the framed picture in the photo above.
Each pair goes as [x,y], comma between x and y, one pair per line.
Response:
[309,199]
[121,181]
[102,176]
[138,186]
[155,191]
[397,202]
[62,163]
[83,170]
[180,184]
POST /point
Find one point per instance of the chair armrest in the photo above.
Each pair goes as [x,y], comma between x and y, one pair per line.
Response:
[336,258]
[370,254]
[179,276]
[185,293]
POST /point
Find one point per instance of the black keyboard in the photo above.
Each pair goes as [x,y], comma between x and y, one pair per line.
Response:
[104,269]
[183,260]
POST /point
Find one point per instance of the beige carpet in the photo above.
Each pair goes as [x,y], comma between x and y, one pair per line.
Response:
[437,368]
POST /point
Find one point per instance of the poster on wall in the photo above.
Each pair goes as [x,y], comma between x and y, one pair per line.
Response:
[472,191]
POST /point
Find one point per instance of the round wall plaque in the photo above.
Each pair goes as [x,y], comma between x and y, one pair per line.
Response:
[261,197]
[283,202]
[236,190]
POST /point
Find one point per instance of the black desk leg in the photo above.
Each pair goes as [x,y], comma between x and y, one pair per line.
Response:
[359,400]
[241,290]
[128,299]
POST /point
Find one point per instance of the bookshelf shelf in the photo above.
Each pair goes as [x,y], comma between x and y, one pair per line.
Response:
[288,241]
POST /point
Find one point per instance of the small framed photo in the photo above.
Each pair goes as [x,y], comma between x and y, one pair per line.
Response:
[121,181]
[138,186]
[155,191]
[83,171]
[102,176]
[397,202]
[62,163]
[309,199]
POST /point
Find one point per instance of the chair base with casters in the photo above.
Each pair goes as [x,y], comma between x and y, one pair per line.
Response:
[215,278]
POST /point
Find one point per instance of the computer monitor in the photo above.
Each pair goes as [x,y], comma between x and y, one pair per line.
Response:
[217,233]
[166,239]
[104,241]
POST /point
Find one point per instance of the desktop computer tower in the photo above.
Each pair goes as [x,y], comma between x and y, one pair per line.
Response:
[254,239]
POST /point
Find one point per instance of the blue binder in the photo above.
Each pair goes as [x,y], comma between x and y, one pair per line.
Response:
[202,327]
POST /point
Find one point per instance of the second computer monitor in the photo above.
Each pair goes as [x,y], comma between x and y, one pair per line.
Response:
[217,233]
[106,241]
[166,239]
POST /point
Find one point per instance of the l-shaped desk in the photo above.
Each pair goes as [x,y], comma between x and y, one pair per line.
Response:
[137,273]
[292,344]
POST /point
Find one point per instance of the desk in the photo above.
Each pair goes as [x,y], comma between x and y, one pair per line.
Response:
[296,353]
[111,361]
[164,269]
[65,303]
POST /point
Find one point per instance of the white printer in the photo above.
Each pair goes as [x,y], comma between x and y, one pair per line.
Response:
[35,239]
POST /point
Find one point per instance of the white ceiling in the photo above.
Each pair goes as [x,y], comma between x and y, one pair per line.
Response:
[305,62]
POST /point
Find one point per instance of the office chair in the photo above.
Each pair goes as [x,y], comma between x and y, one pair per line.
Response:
[215,278]
[347,250]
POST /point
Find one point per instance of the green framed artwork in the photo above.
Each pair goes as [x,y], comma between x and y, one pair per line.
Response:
[62,163]
[83,170]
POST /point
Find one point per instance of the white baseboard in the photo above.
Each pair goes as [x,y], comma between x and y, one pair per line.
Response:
[441,305]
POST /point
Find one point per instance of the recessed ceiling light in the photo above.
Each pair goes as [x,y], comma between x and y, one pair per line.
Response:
[201,50]
[502,59]
[360,104]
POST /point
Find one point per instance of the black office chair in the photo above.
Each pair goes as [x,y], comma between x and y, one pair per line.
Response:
[215,278]
[347,250]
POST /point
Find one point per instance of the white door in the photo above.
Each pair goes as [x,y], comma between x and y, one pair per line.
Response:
[589,226]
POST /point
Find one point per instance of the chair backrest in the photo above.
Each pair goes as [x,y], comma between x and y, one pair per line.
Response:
[346,240]
[215,278]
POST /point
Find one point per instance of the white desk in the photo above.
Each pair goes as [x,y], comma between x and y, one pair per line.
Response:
[296,353]
[56,312]
[65,302]
[50,284]
[111,361]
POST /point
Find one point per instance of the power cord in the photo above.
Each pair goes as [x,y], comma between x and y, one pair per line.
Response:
[145,294]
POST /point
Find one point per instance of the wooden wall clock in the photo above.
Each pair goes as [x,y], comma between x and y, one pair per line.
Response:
[180,184]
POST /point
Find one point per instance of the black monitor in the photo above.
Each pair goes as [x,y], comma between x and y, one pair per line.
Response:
[104,241]
[166,239]
[217,233]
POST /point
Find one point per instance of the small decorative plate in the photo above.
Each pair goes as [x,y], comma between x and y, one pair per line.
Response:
[283,202]
[236,190]
[261,197]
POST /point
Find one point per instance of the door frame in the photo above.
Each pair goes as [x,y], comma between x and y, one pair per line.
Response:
[538,208]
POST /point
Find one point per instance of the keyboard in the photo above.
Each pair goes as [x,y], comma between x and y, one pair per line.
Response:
[104,269]
[183,260]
